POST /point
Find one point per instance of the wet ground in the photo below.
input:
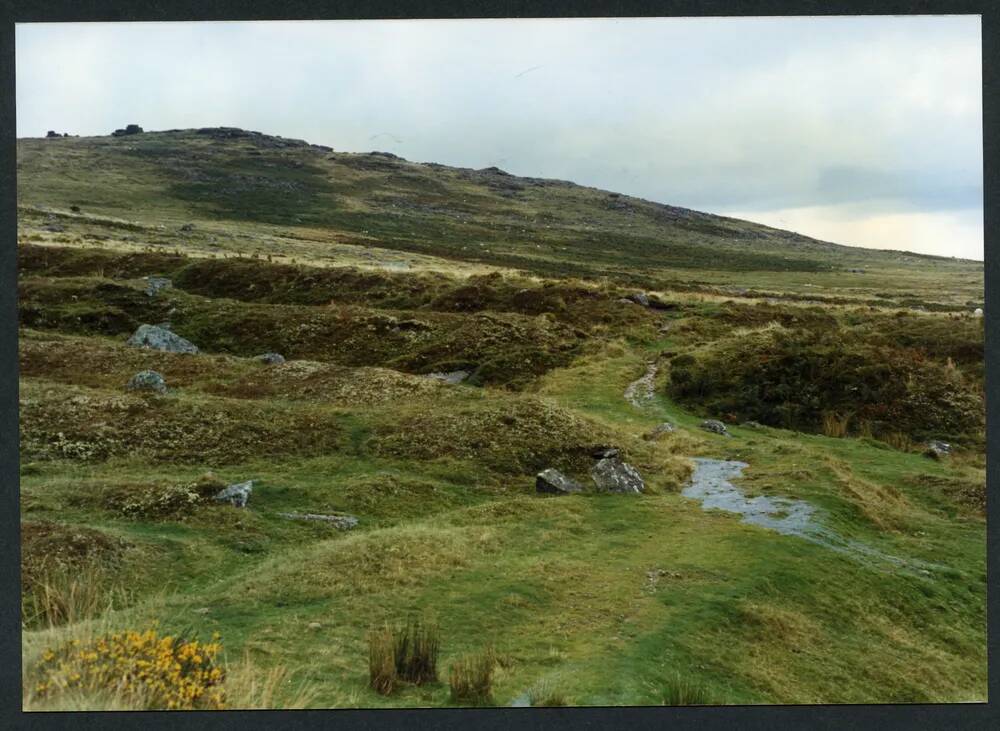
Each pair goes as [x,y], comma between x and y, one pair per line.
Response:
[711,485]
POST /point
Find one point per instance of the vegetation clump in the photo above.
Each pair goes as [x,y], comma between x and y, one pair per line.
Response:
[160,672]
[808,380]
[404,653]
[471,680]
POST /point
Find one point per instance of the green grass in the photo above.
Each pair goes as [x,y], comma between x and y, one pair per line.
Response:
[587,599]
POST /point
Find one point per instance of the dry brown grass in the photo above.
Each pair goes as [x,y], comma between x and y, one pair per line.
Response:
[835,425]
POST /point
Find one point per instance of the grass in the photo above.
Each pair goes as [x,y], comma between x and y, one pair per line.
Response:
[595,600]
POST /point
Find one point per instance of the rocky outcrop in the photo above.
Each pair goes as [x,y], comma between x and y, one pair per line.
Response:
[131,129]
[236,494]
[340,522]
[555,482]
[155,337]
[715,426]
[613,475]
[147,381]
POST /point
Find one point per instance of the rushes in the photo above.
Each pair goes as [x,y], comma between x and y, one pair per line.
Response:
[471,680]
[405,653]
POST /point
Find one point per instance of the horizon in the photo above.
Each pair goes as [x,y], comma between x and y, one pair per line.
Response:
[778,126]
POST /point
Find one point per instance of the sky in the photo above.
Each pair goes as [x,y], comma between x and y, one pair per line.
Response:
[859,130]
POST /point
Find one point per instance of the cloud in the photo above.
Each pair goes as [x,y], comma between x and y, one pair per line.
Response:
[754,114]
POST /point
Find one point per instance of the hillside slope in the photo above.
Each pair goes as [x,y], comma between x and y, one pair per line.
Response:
[255,193]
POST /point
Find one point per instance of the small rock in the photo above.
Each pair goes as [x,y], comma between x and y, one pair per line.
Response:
[202,610]
[155,284]
[752,425]
[160,338]
[340,522]
[236,494]
[75,209]
[271,358]
[314,626]
[555,482]
[147,381]
[605,452]
[936,449]
[452,377]
[978,312]
[715,426]
[613,475]
[659,430]
[639,298]
[187,227]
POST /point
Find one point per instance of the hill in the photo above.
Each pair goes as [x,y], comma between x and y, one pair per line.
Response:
[801,534]
[252,193]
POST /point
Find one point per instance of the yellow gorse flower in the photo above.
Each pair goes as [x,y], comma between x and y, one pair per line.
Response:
[167,672]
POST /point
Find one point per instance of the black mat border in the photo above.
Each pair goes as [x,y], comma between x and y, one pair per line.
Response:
[972,716]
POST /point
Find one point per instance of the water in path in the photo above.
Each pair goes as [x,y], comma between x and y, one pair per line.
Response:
[711,485]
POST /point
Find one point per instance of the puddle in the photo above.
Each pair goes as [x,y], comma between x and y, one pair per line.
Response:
[710,484]
[640,391]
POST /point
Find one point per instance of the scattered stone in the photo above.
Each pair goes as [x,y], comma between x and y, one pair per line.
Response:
[605,452]
[659,430]
[202,610]
[752,425]
[187,227]
[452,377]
[155,284]
[236,494]
[155,337]
[314,626]
[556,483]
[271,358]
[613,475]
[340,522]
[75,209]
[639,298]
[147,381]
[978,312]
[856,271]
[715,426]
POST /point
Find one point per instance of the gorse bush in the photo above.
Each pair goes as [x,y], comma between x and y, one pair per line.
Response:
[798,378]
[154,671]
[471,680]
[405,653]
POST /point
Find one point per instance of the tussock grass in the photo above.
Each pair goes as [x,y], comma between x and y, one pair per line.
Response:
[470,679]
[404,653]
[681,690]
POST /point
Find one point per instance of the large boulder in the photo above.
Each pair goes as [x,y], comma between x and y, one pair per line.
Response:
[155,337]
[236,494]
[555,482]
[147,381]
[340,522]
[613,475]
[715,426]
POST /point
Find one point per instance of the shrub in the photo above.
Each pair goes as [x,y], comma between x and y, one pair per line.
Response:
[835,425]
[471,680]
[797,378]
[156,501]
[156,672]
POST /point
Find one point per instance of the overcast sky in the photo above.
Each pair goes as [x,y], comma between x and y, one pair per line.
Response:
[863,131]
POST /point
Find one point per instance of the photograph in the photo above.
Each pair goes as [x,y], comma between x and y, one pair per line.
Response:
[500,363]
